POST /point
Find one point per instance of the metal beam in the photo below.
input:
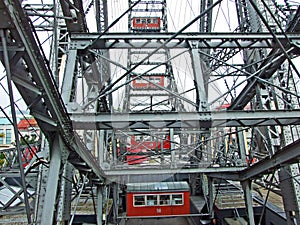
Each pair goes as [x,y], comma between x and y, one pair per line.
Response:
[3,35]
[69,76]
[90,121]
[100,198]
[287,155]
[248,201]
[199,76]
[270,64]
[74,14]
[48,215]
[50,104]
[115,174]
[204,40]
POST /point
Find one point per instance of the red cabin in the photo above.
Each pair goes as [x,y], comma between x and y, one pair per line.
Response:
[146,24]
[137,152]
[158,199]
[223,107]
[155,144]
[139,83]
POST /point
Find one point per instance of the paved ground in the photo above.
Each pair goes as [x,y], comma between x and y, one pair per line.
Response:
[158,221]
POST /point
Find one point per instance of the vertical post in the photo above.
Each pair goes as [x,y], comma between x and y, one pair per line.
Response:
[172,146]
[54,48]
[114,147]
[248,201]
[290,183]
[98,15]
[101,147]
[52,182]
[41,188]
[100,204]
[211,196]
[14,119]
[198,77]
[115,202]
[242,146]
[69,76]
[63,210]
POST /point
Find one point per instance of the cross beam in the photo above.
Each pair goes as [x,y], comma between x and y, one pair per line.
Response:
[203,40]
[90,121]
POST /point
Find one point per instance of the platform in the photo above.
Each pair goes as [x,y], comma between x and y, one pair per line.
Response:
[158,221]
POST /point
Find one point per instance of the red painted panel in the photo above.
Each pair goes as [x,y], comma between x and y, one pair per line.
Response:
[139,149]
[143,84]
[158,210]
[27,155]
[140,156]
[152,145]
[146,23]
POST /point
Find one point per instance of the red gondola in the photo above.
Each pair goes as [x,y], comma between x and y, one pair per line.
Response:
[147,24]
[158,199]
[137,152]
[139,83]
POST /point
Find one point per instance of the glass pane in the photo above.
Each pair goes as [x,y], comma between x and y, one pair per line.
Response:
[139,200]
[151,199]
[8,136]
[177,199]
[2,135]
[164,199]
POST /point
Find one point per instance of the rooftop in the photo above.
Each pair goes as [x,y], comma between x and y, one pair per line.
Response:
[24,124]
[157,186]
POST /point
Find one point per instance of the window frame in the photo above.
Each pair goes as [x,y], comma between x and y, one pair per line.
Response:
[8,136]
[155,203]
[134,201]
[173,200]
[170,202]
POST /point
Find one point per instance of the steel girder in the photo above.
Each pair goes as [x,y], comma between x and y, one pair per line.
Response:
[206,119]
[286,156]
[203,40]
[34,81]
[50,123]
[272,62]
[53,117]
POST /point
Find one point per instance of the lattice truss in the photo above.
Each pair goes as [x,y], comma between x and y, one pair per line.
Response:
[147,85]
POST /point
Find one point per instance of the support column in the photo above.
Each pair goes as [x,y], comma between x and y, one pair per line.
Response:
[64,201]
[290,183]
[198,77]
[211,196]
[172,147]
[114,147]
[115,202]
[68,79]
[242,148]
[101,153]
[99,205]
[52,182]
[248,201]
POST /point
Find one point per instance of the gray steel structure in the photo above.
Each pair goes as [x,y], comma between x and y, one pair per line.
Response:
[80,149]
